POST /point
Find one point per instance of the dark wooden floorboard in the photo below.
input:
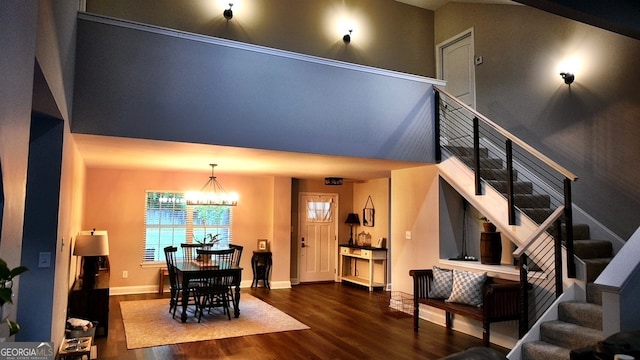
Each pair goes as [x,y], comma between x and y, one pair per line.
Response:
[347,322]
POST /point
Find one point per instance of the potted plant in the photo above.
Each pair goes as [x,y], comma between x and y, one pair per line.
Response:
[209,240]
[487,225]
[6,292]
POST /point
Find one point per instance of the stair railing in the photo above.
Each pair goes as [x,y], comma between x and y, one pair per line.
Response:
[458,127]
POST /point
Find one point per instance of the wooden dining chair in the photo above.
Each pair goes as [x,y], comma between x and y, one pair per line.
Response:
[214,291]
[237,254]
[189,250]
[175,283]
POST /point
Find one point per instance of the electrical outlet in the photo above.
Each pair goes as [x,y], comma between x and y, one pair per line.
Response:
[125,274]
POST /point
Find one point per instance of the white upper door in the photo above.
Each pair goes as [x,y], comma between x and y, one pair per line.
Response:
[456,66]
[318,240]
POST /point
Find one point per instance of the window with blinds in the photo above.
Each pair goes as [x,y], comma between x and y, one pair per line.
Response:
[169,221]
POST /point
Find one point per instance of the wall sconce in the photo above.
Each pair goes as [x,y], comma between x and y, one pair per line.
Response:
[228,13]
[568,77]
[347,37]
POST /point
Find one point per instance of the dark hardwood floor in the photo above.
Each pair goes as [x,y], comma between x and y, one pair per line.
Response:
[347,322]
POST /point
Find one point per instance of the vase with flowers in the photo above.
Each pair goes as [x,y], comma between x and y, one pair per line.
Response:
[487,225]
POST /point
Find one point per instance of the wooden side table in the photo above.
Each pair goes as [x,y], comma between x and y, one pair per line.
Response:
[261,262]
[163,273]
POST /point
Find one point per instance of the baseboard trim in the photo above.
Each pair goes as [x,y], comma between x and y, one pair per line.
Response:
[150,289]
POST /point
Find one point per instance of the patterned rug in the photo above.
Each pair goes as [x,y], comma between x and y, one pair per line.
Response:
[149,323]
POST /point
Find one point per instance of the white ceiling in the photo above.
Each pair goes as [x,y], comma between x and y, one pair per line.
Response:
[434,4]
[126,153]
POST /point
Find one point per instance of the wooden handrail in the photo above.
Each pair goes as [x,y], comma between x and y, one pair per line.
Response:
[566,173]
[539,231]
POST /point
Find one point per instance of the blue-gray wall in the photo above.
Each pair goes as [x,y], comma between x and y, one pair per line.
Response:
[144,82]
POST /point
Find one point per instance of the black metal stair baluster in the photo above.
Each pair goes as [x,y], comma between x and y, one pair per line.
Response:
[511,203]
[437,122]
[568,219]
[476,154]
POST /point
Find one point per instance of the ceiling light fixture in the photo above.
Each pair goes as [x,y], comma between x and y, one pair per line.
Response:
[347,37]
[568,77]
[211,193]
[228,13]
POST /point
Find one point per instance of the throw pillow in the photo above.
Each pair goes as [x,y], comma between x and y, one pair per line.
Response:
[441,284]
[467,287]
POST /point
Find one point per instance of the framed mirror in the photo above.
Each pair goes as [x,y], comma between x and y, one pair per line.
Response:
[368,216]
[368,213]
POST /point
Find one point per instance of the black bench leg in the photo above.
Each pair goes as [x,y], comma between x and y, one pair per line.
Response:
[485,334]
[416,316]
[448,320]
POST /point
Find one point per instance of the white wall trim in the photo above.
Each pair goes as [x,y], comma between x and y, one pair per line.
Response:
[468,326]
[150,289]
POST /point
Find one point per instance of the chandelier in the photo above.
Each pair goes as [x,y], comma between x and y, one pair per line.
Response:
[211,193]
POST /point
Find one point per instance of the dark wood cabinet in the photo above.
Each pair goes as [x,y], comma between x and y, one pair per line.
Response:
[92,304]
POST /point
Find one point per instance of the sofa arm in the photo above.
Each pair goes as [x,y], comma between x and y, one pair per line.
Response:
[501,300]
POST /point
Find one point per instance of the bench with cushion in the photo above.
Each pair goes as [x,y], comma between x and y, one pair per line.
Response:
[473,295]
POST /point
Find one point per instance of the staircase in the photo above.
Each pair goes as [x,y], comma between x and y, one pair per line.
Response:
[579,324]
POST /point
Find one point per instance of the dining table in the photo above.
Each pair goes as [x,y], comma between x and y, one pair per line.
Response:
[193,270]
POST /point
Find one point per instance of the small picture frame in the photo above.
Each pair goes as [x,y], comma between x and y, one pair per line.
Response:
[263,245]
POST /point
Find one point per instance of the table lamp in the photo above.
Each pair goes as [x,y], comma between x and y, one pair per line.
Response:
[91,245]
[352,219]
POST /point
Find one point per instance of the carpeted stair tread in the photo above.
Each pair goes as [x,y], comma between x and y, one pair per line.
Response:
[580,231]
[568,335]
[466,151]
[581,313]
[538,215]
[594,293]
[497,174]
[519,187]
[485,163]
[532,201]
[542,350]
[595,267]
[590,249]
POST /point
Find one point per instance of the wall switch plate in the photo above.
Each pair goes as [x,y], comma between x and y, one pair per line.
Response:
[125,274]
[407,235]
[478,60]
[44,260]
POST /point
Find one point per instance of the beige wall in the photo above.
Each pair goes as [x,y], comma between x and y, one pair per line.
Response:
[115,202]
[383,29]
[414,207]
[378,189]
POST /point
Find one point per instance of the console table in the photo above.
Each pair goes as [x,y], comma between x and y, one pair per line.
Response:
[349,258]
[92,304]
[261,262]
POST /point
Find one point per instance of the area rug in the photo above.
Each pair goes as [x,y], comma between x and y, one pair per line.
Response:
[149,323]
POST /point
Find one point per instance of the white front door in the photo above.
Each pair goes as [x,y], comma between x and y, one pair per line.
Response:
[318,241]
[457,67]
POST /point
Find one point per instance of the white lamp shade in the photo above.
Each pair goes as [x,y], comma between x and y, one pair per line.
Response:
[92,243]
